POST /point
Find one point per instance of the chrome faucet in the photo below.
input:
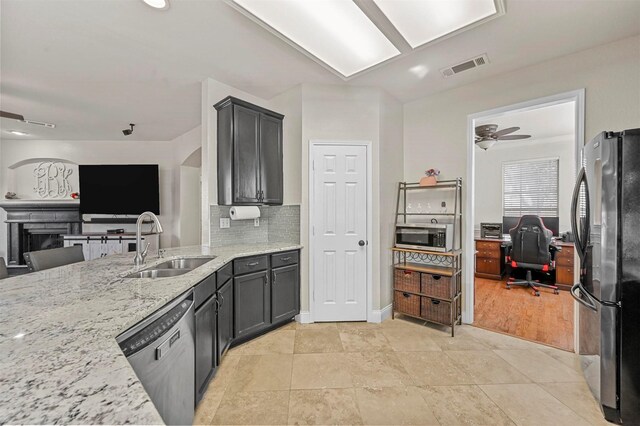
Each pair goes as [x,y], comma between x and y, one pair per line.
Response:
[142,254]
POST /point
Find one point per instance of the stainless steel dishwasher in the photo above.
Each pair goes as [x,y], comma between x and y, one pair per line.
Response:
[161,351]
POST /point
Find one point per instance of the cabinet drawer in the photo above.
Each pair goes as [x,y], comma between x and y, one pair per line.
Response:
[250,264]
[436,310]
[284,259]
[204,289]
[225,274]
[488,266]
[406,281]
[437,286]
[407,303]
[564,275]
[488,245]
[489,254]
[565,257]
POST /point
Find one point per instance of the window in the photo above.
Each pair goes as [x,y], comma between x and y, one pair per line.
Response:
[530,187]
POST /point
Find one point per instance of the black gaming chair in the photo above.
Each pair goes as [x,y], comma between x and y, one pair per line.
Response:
[531,249]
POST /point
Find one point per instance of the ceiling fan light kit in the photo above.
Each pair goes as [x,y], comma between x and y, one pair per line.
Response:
[488,134]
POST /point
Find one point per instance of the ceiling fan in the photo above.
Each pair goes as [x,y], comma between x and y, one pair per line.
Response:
[20,117]
[488,134]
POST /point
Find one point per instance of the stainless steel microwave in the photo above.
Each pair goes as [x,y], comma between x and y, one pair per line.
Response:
[425,236]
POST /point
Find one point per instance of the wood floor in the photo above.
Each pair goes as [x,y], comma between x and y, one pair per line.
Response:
[546,319]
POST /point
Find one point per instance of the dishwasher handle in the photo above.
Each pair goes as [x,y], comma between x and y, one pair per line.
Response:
[165,346]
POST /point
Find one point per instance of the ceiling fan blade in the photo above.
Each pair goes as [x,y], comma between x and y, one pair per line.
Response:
[11,115]
[514,137]
[506,131]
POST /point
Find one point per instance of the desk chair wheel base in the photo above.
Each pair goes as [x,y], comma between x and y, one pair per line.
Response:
[529,282]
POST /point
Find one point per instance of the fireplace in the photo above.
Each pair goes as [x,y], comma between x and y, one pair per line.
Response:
[37,225]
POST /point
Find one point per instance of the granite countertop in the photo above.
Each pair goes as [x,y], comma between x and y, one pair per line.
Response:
[59,359]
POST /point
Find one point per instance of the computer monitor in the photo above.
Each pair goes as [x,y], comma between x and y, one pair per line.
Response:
[551,223]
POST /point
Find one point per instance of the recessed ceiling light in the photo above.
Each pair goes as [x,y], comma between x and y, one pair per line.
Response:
[158,4]
[335,32]
[18,133]
[421,21]
[419,70]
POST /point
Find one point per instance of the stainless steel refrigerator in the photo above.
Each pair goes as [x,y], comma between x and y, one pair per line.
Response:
[606,225]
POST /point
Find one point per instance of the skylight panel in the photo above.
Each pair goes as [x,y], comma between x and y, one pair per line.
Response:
[335,32]
[423,21]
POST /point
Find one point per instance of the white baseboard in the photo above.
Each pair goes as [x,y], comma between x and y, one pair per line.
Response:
[379,315]
[304,317]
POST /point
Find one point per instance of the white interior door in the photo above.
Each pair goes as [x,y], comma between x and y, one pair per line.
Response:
[339,205]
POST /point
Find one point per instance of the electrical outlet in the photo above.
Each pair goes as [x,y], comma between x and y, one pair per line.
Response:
[225,222]
[256,221]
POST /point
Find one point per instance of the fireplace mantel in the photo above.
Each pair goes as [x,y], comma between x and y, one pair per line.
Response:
[26,218]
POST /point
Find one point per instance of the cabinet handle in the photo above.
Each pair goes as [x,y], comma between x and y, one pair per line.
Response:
[285,259]
[406,294]
[273,279]
[266,280]
[252,264]
[218,305]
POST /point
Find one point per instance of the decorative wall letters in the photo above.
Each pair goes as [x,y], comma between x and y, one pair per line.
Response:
[52,180]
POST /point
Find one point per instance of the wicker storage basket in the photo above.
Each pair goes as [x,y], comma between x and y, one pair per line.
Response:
[407,281]
[407,303]
[436,310]
[437,286]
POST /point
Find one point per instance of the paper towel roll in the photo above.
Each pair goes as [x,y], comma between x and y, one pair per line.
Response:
[244,212]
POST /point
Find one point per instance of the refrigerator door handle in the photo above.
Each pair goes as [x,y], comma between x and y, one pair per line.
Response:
[581,244]
[577,291]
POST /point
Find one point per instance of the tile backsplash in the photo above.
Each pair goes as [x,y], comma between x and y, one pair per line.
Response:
[277,224]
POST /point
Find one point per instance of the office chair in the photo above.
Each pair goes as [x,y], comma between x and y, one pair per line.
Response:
[52,258]
[531,249]
[3,269]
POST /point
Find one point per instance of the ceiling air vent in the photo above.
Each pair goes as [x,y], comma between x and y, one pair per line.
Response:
[466,65]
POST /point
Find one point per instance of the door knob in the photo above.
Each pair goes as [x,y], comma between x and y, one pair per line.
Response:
[361,243]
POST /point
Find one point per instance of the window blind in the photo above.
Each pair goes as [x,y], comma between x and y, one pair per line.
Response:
[530,187]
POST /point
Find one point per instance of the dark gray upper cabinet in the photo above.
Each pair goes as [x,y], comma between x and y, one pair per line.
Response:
[249,154]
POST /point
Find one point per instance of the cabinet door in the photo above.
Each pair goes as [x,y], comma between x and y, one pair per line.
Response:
[96,249]
[285,296]
[205,345]
[246,155]
[113,246]
[251,302]
[271,159]
[225,317]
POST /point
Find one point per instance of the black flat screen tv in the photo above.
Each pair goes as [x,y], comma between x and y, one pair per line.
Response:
[119,189]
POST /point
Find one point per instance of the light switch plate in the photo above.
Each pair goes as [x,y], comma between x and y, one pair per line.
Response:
[256,221]
[225,222]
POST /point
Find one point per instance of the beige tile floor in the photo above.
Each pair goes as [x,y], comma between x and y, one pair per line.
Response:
[397,372]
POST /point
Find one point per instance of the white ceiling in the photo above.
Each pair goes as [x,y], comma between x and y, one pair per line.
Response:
[93,66]
[541,123]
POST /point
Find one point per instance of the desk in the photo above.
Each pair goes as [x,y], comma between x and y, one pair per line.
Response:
[490,261]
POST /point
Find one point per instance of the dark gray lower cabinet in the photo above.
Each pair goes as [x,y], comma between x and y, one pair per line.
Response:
[285,297]
[205,345]
[252,303]
[225,318]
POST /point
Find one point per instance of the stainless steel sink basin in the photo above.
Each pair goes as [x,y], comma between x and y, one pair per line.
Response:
[171,268]
[158,273]
[184,263]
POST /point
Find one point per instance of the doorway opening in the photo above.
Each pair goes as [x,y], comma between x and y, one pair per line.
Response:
[523,161]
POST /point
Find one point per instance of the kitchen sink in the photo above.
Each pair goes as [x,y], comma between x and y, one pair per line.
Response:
[184,263]
[158,273]
[171,268]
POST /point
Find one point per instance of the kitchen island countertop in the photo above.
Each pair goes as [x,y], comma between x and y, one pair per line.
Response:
[59,359]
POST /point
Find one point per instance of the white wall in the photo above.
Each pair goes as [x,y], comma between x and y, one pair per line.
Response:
[488,174]
[341,113]
[187,158]
[88,152]
[435,128]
